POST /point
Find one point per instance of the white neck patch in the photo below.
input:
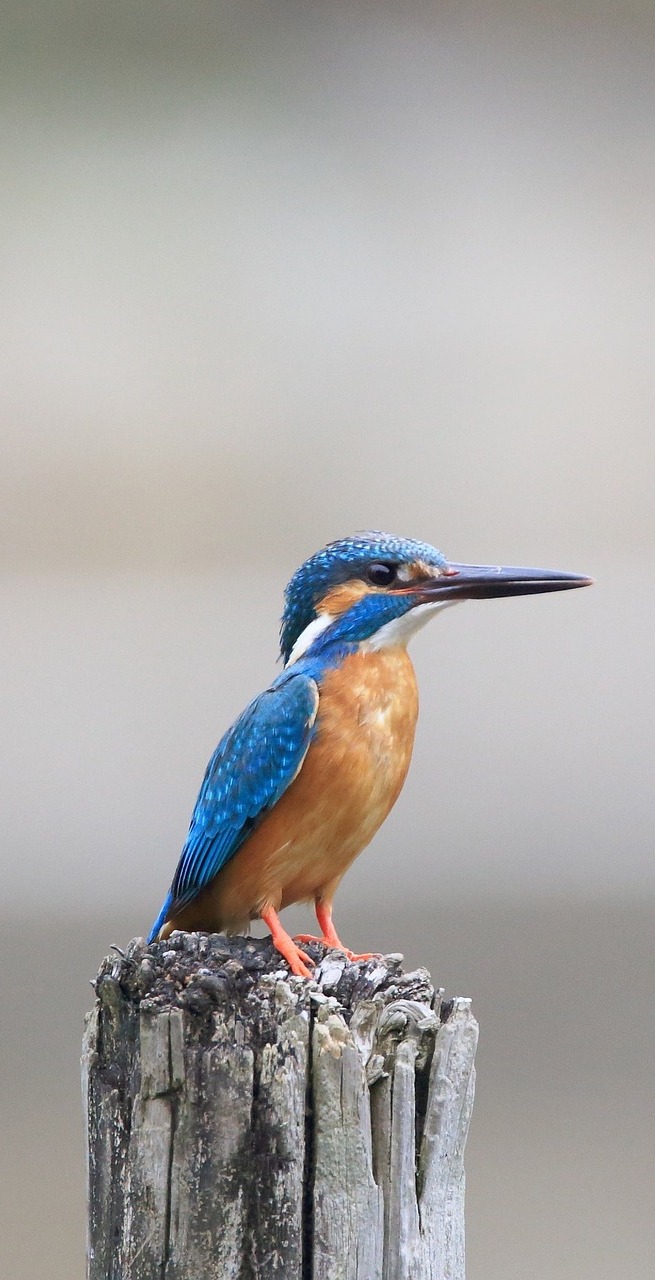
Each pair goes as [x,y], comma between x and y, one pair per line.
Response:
[307,637]
[401,630]
[397,632]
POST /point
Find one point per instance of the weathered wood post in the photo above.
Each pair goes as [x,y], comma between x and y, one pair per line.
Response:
[248,1125]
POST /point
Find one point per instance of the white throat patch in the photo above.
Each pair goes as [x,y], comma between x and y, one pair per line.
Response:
[401,630]
[397,632]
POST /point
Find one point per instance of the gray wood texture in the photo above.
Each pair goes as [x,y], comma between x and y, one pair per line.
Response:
[244,1124]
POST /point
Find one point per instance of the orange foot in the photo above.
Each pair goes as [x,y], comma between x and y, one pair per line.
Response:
[330,936]
[296,959]
[335,945]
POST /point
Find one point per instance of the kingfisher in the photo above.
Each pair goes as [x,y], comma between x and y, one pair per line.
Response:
[303,779]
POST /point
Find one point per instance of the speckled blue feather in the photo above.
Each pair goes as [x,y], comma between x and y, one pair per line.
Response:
[339,561]
[252,766]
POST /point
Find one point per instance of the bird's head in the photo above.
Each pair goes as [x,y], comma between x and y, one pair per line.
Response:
[376,589]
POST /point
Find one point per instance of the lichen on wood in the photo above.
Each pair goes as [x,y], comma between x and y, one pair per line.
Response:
[245,1124]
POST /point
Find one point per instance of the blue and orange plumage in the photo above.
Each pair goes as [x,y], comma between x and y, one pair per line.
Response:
[303,779]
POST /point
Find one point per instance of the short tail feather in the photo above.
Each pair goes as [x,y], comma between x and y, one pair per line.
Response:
[161,918]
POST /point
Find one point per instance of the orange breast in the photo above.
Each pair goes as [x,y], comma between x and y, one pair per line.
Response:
[351,777]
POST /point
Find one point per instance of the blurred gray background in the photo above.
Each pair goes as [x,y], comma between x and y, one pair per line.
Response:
[273,273]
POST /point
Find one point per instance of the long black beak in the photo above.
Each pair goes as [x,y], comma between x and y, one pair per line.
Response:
[485,582]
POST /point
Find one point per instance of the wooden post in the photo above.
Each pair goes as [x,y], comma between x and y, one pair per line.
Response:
[244,1124]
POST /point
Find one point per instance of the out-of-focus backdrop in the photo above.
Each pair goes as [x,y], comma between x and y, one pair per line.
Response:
[272,273]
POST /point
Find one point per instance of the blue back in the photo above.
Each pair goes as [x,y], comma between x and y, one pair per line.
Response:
[252,766]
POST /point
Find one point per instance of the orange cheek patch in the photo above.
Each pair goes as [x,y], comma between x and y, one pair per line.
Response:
[343,597]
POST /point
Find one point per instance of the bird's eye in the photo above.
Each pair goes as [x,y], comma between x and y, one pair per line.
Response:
[380,574]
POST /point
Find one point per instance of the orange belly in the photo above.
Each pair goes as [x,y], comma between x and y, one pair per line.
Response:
[351,777]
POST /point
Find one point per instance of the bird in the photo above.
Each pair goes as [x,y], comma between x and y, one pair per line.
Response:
[300,783]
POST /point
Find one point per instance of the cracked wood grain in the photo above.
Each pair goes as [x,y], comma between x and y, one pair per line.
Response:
[243,1124]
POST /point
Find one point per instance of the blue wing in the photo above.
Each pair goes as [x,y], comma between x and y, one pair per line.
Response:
[252,766]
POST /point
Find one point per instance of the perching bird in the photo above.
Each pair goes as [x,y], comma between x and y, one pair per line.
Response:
[300,783]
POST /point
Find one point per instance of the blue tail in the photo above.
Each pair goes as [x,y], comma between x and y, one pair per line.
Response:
[161,918]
